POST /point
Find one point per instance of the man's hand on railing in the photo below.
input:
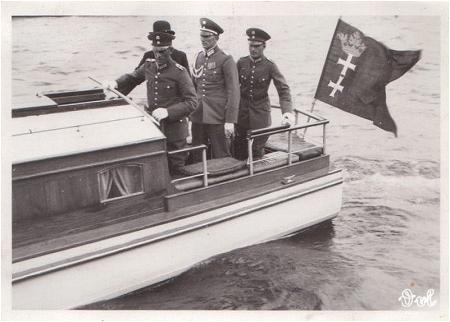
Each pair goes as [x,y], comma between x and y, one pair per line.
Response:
[288,119]
[107,86]
[160,114]
[229,129]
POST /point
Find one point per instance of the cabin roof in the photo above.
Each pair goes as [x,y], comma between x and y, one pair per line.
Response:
[46,136]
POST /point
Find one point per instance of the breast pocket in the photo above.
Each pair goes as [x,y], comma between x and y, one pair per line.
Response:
[264,79]
[169,89]
[214,74]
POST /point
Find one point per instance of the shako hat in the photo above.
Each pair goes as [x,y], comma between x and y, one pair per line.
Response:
[160,39]
[257,35]
[210,26]
[162,26]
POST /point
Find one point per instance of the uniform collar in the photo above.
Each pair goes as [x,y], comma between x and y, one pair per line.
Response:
[256,60]
[211,51]
[162,67]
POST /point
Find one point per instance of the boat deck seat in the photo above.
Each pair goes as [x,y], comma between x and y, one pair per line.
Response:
[267,162]
[305,150]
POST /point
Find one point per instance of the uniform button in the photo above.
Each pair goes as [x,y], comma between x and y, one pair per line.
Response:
[253,66]
[156,93]
[253,71]
[203,95]
[156,87]
[203,84]
[156,82]
[156,77]
[156,98]
[159,73]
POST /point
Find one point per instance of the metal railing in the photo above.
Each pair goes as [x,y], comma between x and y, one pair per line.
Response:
[204,173]
[252,134]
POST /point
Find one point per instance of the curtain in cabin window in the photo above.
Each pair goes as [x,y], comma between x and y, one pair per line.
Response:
[120,181]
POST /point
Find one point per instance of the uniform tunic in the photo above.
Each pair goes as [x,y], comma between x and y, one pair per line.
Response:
[177,55]
[168,87]
[254,109]
[216,80]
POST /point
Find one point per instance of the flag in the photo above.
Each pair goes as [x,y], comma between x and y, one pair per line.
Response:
[356,72]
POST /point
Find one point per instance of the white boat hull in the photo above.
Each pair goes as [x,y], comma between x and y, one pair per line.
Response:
[121,264]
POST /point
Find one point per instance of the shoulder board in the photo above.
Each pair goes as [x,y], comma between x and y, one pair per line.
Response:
[180,66]
[270,60]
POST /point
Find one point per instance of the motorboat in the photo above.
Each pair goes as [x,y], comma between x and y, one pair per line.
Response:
[97,214]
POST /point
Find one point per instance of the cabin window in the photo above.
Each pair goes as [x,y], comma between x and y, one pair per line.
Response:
[120,181]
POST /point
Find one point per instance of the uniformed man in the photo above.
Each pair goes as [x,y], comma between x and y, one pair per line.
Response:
[255,74]
[216,80]
[170,93]
[177,55]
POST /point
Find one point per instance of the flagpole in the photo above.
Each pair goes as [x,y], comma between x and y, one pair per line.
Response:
[321,74]
[309,118]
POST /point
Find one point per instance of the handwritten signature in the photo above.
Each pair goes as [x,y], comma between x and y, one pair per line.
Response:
[408,298]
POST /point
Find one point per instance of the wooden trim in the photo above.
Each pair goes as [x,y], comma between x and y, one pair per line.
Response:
[87,166]
[202,194]
[17,277]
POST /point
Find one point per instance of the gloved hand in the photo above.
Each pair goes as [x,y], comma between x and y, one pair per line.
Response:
[160,113]
[288,118]
[109,84]
[229,129]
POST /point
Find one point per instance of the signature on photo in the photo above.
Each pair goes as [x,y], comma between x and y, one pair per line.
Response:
[408,298]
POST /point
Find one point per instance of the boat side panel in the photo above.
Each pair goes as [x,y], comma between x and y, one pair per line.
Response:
[301,170]
[154,262]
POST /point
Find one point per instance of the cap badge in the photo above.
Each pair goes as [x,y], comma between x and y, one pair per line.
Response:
[203,22]
[253,32]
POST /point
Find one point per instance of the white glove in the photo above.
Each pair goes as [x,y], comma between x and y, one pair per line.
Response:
[287,119]
[229,129]
[160,113]
[108,84]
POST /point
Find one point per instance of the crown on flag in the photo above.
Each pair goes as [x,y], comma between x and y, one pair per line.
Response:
[352,44]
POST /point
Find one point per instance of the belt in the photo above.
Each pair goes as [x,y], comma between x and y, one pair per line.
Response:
[255,97]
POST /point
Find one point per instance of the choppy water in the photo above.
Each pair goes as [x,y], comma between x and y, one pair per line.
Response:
[386,237]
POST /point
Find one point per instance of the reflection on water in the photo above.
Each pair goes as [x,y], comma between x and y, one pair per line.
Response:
[385,239]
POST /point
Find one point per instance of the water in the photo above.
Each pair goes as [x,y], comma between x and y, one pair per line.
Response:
[386,237]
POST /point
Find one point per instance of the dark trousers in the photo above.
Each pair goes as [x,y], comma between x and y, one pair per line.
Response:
[213,134]
[178,160]
[241,144]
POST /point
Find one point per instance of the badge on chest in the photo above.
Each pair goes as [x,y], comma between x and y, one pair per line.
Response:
[211,65]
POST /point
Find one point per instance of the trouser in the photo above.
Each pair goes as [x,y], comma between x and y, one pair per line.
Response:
[178,160]
[241,144]
[213,134]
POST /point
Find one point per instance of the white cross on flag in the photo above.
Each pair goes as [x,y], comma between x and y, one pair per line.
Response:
[356,72]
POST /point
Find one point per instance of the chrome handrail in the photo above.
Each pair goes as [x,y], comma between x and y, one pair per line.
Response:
[204,173]
[320,121]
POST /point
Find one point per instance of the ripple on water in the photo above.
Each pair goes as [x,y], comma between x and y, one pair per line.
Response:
[358,168]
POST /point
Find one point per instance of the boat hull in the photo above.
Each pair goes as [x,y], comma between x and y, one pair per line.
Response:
[115,266]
